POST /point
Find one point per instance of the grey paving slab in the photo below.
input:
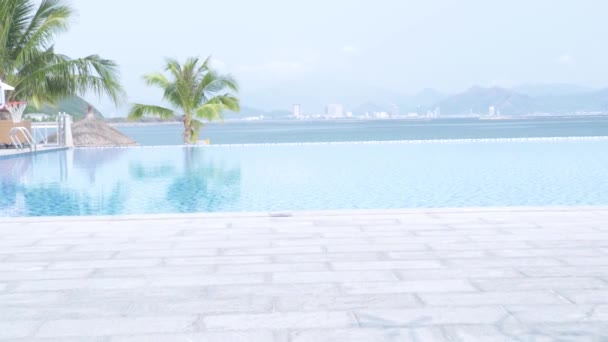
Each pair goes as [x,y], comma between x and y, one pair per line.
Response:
[429,316]
[9,330]
[116,326]
[469,274]
[409,286]
[430,334]
[288,320]
[233,336]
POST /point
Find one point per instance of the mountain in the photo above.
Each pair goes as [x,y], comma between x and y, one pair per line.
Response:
[313,95]
[477,100]
[561,100]
[595,101]
[551,89]
[75,106]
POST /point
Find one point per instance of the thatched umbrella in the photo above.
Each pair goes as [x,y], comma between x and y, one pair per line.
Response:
[92,132]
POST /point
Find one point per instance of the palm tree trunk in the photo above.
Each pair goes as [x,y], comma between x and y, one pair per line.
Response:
[187,130]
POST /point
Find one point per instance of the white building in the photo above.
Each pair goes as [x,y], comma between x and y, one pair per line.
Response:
[491,111]
[334,110]
[38,117]
[296,111]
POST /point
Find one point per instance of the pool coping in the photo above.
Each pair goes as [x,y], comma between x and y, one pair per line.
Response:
[25,153]
[305,213]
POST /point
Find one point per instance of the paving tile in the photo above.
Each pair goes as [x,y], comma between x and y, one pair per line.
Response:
[166,253]
[565,271]
[386,265]
[152,272]
[114,263]
[550,252]
[270,268]
[29,299]
[44,275]
[73,284]
[271,290]
[345,302]
[585,261]
[116,326]
[199,306]
[580,296]
[120,247]
[492,298]
[552,313]
[437,255]
[59,256]
[232,336]
[430,334]
[503,262]
[579,331]
[18,329]
[332,277]
[429,316]
[327,257]
[500,332]
[472,246]
[539,284]
[300,320]
[22,266]
[273,250]
[459,273]
[66,310]
[376,248]
[455,285]
[218,260]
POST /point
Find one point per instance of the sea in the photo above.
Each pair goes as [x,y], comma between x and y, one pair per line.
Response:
[292,131]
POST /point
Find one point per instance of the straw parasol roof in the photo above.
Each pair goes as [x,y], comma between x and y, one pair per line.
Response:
[91,132]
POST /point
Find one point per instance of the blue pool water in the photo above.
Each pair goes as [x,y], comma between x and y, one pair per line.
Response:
[145,180]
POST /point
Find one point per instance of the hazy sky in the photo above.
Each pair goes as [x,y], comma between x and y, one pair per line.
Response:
[398,45]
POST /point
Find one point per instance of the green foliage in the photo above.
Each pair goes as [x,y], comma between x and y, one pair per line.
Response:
[73,105]
[28,60]
[194,92]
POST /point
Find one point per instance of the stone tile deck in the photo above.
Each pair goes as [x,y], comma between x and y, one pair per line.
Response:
[402,275]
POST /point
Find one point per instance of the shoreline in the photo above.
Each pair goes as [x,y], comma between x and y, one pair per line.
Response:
[359,120]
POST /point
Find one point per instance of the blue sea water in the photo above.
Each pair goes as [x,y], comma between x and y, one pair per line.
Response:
[177,179]
[372,130]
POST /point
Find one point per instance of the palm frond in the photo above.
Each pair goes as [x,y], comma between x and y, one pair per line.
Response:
[28,29]
[138,111]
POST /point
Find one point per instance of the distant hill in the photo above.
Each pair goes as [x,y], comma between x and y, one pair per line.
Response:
[75,106]
[565,100]
[551,89]
[477,100]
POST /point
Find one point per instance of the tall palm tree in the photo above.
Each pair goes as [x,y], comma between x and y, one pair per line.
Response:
[194,91]
[28,60]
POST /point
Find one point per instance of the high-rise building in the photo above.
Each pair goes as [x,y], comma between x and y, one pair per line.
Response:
[296,111]
[334,110]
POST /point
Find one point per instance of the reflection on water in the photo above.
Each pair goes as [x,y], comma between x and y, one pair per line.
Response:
[116,181]
[204,188]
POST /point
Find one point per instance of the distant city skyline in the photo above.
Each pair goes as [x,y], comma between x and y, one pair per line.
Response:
[333,47]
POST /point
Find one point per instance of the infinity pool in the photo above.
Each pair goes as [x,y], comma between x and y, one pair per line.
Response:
[152,180]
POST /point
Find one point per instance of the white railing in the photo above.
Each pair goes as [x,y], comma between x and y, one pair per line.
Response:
[42,131]
[14,135]
[62,128]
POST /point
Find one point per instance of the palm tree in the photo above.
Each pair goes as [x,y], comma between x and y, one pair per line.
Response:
[195,92]
[28,60]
